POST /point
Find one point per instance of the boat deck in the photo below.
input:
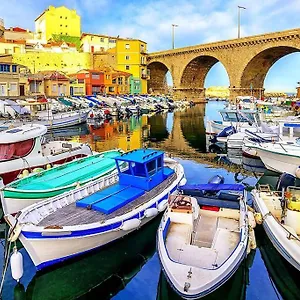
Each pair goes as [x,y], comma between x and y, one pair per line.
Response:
[71,215]
[207,244]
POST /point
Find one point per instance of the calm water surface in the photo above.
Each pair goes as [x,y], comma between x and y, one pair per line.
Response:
[129,268]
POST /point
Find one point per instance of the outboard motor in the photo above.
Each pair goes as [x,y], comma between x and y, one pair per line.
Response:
[227,131]
[285,180]
[217,179]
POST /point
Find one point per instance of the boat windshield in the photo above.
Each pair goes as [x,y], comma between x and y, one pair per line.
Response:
[16,150]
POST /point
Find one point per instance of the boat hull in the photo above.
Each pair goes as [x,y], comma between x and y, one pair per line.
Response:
[289,248]
[279,162]
[48,246]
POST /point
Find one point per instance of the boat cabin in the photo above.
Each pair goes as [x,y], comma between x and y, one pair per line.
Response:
[145,168]
[139,172]
[240,116]
[20,141]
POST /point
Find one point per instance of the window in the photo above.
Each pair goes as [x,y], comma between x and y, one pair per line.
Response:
[127,67]
[61,33]
[127,57]
[66,25]
[114,80]
[95,89]
[87,75]
[107,76]
[60,25]
[4,68]
[111,89]
[14,68]
[7,51]
[120,80]
[95,76]
[54,89]
[61,17]
[159,163]
[151,167]
[81,90]
[101,39]
[127,46]
[80,80]
[66,18]
[13,87]
[111,41]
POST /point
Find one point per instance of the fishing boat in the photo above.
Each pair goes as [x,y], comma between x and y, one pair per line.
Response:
[281,156]
[203,237]
[280,210]
[49,183]
[99,212]
[25,148]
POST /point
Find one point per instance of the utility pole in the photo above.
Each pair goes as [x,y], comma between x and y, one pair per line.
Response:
[239,19]
[173,34]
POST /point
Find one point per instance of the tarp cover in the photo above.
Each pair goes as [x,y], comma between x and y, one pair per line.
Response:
[213,187]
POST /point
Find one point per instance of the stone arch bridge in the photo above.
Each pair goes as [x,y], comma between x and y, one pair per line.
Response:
[246,60]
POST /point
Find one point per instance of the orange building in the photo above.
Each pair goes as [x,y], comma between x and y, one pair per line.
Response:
[93,80]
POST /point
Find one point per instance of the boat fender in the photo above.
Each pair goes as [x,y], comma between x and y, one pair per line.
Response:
[162,205]
[249,208]
[25,173]
[150,212]
[183,181]
[48,167]
[131,224]
[251,219]
[16,264]
[1,183]
[252,239]
[258,218]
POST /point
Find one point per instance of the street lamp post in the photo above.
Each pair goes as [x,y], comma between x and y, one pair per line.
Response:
[173,33]
[239,19]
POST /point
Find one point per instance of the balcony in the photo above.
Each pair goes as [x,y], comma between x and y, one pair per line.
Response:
[145,76]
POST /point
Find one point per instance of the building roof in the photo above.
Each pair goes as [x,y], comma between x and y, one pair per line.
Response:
[120,73]
[89,71]
[17,29]
[9,41]
[99,35]
[53,75]
[140,155]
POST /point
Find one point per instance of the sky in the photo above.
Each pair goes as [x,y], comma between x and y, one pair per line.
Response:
[199,21]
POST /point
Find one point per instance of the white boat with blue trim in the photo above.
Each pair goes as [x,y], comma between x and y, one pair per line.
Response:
[203,238]
[280,210]
[100,212]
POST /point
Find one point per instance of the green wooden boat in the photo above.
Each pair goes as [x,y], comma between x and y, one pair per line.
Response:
[52,182]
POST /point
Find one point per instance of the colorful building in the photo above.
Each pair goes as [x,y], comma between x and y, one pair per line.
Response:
[132,58]
[94,43]
[12,46]
[56,83]
[17,33]
[76,88]
[57,21]
[9,79]
[120,82]
[92,79]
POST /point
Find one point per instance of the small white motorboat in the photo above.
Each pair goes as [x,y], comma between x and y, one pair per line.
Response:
[99,212]
[280,210]
[25,148]
[202,240]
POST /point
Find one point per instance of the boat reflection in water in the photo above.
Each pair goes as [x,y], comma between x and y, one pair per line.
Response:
[283,274]
[67,132]
[234,288]
[103,272]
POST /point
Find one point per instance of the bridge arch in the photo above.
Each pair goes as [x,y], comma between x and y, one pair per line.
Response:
[255,72]
[194,73]
[157,82]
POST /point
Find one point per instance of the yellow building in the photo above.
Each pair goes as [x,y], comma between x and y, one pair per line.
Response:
[94,43]
[57,21]
[11,46]
[68,62]
[132,58]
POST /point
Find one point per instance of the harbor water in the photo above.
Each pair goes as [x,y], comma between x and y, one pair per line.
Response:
[130,268]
